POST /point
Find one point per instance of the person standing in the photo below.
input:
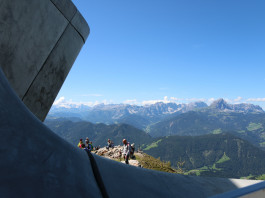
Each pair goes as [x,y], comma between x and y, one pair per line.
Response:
[88,145]
[87,142]
[126,150]
[91,146]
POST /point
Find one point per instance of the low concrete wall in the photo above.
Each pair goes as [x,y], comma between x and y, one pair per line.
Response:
[40,40]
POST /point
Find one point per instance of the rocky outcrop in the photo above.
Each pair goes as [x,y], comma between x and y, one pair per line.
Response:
[116,154]
[111,153]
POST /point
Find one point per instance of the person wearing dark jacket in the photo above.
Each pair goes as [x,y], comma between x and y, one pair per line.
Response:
[110,144]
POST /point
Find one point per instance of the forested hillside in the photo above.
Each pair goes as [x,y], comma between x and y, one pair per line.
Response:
[249,126]
[221,155]
[97,133]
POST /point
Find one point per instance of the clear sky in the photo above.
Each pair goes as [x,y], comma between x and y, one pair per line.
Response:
[141,51]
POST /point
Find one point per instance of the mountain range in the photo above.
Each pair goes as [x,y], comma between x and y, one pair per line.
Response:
[138,116]
[243,120]
[143,116]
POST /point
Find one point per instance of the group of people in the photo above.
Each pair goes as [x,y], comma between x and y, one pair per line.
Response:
[128,149]
[127,152]
[86,146]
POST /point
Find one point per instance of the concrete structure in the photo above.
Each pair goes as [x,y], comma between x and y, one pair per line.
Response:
[39,42]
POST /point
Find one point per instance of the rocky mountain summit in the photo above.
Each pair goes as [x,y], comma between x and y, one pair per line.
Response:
[141,159]
[222,105]
[116,154]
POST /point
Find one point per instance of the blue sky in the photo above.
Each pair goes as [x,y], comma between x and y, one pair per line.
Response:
[144,51]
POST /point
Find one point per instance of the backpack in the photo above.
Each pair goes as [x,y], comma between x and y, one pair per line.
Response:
[131,150]
[91,147]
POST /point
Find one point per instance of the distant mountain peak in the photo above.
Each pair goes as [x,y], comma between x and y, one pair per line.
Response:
[220,104]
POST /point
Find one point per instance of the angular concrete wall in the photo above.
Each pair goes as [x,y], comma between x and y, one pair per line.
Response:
[40,40]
